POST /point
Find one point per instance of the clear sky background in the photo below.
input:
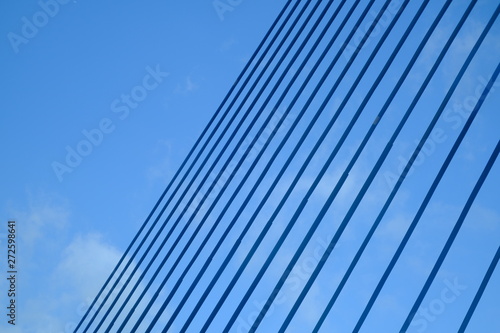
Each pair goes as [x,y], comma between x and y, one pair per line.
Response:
[66,78]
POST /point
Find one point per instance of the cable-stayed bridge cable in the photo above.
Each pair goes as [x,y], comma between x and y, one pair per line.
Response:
[465,210]
[200,224]
[240,77]
[330,200]
[263,233]
[221,269]
[176,175]
[163,243]
[407,168]
[480,292]
[229,201]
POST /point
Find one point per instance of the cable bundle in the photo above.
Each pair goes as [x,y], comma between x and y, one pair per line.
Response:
[184,246]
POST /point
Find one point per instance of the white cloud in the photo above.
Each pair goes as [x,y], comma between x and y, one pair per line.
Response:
[228,44]
[311,309]
[45,215]
[187,86]
[395,228]
[86,264]
[162,170]
[58,277]
[84,267]
[484,219]
[51,301]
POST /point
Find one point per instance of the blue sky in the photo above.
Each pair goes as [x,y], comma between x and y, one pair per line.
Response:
[66,81]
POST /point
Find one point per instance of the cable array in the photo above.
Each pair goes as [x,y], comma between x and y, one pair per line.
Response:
[197,259]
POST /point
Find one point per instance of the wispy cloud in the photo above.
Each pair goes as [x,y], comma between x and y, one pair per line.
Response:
[83,267]
[228,44]
[162,169]
[485,219]
[395,228]
[55,293]
[186,86]
[44,215]
[85,264]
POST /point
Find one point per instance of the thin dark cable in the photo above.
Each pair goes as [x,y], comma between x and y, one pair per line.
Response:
[312,187]
[191,152]
[362,191]
[361,249]
[213,165]
[461,219]
[479,293]
[332,196]
[405,171]
[231,253]
[198,141]
[450,240]
[215,181]
[386,105]
[199,154]
[207,213]
[229,202]
[398,85]
[273,217]
[228,126]
[242,267]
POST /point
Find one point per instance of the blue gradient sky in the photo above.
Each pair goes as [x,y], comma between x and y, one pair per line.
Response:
[69,77]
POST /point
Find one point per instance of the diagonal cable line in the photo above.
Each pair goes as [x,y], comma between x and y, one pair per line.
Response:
[231,253]
[213,165]
[374,226]
[327,164]
[269,223]
[372,231]
[333,195]
[389,100]
[221,269]
[358,197]
[229,201]
[245,135]
[451,239]
[179,257]
[465,210]
[263,233]
[183,164]
[384,108]
[420,212]
[202,149]
[204,162]
[220,174]
[480,292]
